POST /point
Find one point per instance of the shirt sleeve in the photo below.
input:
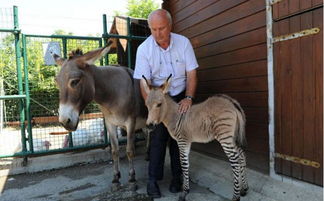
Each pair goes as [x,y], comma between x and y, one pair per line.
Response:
[142,66]
[190,58]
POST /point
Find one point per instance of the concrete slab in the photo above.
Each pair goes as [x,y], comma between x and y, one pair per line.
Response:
[211,180]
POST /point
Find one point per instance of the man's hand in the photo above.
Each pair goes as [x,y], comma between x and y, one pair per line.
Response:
[184,105]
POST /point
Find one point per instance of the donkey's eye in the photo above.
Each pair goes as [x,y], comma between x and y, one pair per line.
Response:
[159,105]
[74,82]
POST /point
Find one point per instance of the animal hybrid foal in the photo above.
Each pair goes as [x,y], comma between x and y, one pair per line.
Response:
[116,92]
[218,118]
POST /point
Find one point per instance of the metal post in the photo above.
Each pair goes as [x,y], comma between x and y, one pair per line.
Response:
[27,105]
[104,36]
[270,86]
[64,48]
[19,78]
[129,55]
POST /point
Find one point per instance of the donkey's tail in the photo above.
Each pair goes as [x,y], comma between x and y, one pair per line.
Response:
[240,129]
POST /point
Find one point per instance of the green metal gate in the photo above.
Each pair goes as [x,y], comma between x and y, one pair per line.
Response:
[34,126]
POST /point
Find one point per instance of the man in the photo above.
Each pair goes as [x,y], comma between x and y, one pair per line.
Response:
[162,54]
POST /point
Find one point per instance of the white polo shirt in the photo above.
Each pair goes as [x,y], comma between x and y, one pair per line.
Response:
[157,64]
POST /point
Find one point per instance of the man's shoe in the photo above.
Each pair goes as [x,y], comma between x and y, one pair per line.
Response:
[175,186]
[153,190]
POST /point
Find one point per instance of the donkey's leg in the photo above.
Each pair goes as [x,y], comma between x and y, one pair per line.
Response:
[184,149]
[130,150]
[112,130]
[233,155]
[245,186]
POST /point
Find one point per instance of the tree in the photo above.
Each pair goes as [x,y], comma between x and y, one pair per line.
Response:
[141,8]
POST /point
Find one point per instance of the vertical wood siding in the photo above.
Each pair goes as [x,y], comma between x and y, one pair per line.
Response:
[229,39]
[298,67]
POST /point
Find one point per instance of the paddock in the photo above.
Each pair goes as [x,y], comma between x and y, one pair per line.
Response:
[244,49]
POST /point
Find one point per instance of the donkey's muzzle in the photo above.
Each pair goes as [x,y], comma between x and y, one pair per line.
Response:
[151,126]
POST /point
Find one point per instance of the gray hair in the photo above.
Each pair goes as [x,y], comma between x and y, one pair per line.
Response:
[160,12]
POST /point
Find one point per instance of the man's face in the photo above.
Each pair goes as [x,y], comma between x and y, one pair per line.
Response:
[160,29]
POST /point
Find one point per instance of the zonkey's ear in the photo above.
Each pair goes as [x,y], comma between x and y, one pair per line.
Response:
[92,56]
[58,60]
[166,84]
[147,86]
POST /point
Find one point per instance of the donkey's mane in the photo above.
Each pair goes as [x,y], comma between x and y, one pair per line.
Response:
[75,53]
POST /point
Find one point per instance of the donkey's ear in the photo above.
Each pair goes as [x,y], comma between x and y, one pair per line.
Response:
[58,60]
[166,84]
[92,56]
[147,86]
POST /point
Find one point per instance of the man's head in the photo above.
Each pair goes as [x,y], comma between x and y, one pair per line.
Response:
[160,23]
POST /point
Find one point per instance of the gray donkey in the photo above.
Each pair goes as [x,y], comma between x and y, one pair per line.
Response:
[219,118]
[116,92]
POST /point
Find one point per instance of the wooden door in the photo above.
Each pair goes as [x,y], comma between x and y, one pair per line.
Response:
[298,69]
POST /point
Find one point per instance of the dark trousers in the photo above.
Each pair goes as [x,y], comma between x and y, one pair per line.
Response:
[159,138]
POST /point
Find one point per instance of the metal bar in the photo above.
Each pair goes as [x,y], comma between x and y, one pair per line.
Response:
[129,55]
[27,104]
[298,160]
[272,2]
[271,105]
[302,33]
[68,149]
[19,78]
[64,36]
[10,97]
[105,33]
[10,30]
[64,48]
[125,37]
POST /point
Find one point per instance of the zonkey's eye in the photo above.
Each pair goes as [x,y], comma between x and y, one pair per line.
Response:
[74,82]
[159,105]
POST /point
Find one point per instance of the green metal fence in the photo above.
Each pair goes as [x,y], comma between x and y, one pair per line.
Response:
[29,103]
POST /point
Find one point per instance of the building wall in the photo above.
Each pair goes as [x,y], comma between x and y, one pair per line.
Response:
[229,39]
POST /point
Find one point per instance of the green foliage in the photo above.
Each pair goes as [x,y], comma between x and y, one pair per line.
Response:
[141,8]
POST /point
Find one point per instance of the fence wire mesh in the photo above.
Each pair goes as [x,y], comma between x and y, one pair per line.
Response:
[46,133]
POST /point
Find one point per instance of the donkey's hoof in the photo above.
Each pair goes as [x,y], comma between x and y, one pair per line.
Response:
[236,199]
[115,187]
[244,191]
[132,186]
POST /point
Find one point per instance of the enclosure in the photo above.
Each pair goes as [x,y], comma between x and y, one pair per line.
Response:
[267,54]
[29,95]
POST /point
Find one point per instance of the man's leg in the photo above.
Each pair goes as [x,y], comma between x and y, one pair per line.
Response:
[158,142]
[176,182]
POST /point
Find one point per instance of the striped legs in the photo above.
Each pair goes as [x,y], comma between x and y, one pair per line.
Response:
[234,155]
[242,161]
[184,149]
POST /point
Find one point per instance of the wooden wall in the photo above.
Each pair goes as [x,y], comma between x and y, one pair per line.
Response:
[229,39]
[298,67]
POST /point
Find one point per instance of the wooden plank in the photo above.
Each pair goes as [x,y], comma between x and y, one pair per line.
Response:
[247,24]
[250,69]
[236,85]
[294,6]
[220,19]
[297,101]
[277,99]
[250,54]
[181,4]
[316,3]
[190,10]
[309,96]
[210,11]
[305,4]
[286,84]
[283,8]
[318,65]
[248,39]
[246,99]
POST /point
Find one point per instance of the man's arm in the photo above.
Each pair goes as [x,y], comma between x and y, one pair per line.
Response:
[191,86]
